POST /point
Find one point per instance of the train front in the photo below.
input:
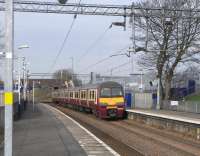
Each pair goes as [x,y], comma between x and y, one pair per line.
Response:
[111,100]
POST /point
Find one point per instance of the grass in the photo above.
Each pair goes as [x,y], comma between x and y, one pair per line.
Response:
[193,98]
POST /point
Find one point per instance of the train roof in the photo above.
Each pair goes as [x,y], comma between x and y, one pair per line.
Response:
[97,85]
[101,85]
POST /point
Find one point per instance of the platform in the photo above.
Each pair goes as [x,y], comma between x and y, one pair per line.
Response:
[48,132]
[182,122]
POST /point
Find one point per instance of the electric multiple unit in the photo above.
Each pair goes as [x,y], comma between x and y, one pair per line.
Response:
[105,100]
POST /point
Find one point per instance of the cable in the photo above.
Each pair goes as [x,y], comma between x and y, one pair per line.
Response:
[64,41]
[119,66]
[93,45]
[94,64]
[63,45]
[104,59]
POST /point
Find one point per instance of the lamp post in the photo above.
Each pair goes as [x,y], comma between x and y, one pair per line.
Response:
[8,78]
[19,85]
[72,59]
[19,75]
[25,81]
[33,95]
[33,92]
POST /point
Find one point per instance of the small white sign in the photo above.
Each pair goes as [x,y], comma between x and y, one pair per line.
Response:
[9,55]
[174,103]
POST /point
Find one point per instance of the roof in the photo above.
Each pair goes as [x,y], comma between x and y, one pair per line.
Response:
[97,85]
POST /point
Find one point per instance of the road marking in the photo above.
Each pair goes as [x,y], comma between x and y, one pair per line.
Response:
[89,133]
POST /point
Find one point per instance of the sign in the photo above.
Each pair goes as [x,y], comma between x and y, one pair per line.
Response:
[174,103]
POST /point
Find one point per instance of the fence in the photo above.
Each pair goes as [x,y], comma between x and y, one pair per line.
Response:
[183,106]
[1,110]
[145,101]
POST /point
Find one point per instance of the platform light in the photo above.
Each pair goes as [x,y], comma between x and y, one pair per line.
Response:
[23,46]
[2,53]
[62,1]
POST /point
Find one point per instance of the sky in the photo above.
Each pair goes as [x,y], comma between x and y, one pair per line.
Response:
[44,34]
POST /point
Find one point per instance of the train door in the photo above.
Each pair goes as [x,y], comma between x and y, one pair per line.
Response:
[128,99]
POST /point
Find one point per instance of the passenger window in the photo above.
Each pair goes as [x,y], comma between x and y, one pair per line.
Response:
[91,95]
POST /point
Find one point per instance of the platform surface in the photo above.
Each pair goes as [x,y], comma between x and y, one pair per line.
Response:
[48,132]
[172,115]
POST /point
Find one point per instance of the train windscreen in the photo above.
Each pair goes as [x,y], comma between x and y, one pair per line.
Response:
[111,92]
[106,92]
[116,92]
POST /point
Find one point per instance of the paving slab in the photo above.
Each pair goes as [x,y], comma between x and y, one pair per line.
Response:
[40,133]
[49,132]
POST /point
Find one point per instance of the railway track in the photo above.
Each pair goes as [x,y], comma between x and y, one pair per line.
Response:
[132,139]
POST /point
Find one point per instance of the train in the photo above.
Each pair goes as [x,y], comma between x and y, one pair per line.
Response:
[105,100]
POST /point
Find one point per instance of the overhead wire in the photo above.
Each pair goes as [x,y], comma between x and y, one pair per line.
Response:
[64,41]
[63,45]
[116,67]
[103,60]
[122,70]
[93,45]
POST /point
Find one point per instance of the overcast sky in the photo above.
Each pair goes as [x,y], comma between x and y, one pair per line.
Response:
[44,33]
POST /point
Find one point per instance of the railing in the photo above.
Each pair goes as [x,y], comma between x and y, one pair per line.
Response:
[1,99]
[183,106]
[1,110]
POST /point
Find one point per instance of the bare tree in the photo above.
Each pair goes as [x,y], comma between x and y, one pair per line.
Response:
[173,32]
[66,75]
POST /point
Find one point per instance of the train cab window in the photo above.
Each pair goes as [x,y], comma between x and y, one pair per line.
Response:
[117,92]
[105,92]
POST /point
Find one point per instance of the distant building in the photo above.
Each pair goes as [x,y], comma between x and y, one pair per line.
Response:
[136,82]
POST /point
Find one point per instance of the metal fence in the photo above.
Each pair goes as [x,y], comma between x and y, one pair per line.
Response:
[144,101]
[183,106]
[1,110]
